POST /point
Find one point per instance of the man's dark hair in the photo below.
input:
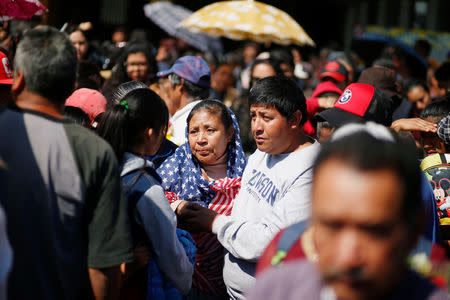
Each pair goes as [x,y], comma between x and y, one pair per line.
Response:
[437,110]
[193,90]
[283,55]
[270,61]
[48,62]
[329,94]
[364,152]
[424,45]
[443,72]
[76,115]
[282,93]
[409,84]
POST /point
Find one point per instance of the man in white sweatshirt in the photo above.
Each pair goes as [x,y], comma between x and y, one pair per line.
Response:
[276,183]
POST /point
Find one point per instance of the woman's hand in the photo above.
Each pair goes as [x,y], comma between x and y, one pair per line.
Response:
[196,218]
[413,124]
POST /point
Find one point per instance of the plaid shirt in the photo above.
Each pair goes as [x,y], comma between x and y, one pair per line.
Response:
[443,130]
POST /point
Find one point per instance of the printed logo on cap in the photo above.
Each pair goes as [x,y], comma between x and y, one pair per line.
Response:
[332,66]
[6,66]
[346,96]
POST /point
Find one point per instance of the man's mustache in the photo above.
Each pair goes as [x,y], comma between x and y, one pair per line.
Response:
[354,274]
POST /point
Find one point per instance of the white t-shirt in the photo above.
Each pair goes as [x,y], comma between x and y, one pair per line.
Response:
[178,122]
[275,193]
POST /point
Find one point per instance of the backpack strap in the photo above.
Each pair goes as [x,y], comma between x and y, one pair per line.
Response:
[129,181]
[443,158]
[287,239]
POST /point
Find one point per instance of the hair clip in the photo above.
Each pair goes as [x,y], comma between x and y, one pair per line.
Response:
[124,103]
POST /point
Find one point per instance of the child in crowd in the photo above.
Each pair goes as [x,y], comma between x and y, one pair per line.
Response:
[135,127]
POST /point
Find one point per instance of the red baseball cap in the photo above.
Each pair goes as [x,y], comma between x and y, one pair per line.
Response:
[359,103]
[6,76]
[335,70]
[92,102]
[324,87]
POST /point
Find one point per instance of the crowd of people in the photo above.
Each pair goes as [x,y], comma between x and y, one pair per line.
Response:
[130,171]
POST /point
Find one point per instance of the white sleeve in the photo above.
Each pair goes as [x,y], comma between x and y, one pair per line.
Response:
[160,222]
[247,239]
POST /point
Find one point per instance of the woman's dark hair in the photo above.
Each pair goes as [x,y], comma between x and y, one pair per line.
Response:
[77,115]
[119,73]
[214,107]
[87,73]
[123,89]
[269,61]
[412,83]
[123,123]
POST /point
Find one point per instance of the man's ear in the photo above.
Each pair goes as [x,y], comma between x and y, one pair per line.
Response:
[150,133]
[18,83]
[295,119]
[181,86]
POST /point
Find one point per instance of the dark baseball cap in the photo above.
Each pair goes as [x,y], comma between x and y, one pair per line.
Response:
[359,103]
[192,68]
[335,70]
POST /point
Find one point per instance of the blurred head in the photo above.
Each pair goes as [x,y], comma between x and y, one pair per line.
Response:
[92,102]
[442,76]
[120,36]
[210,129]
[362,251]
[286,59]
[418,93]
[335,72]
[139,120]
[262,68]
[277,111]
[222,79]
[190,79]
[433,113]
[88,76]
[77,115]
[383,79]
[137,63]
[47,61]
[324,130]
[250,51]
[80,42]
[423,48]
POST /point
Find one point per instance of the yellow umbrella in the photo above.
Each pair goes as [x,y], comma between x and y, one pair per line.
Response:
[247,20]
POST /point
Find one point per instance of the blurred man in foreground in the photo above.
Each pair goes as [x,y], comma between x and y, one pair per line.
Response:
[367,215]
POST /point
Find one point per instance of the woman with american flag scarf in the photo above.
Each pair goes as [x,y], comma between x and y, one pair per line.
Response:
[207,170]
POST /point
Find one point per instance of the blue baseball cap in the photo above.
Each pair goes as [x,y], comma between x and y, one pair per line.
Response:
[191,68]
